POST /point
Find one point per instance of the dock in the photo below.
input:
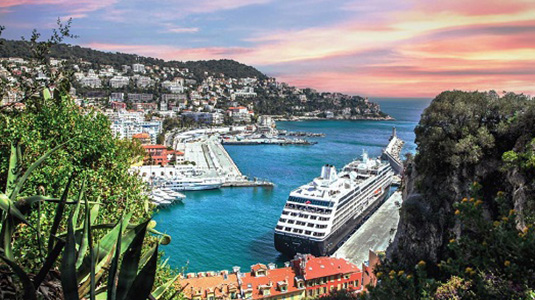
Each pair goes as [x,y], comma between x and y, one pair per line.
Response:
[375,234]
[209,154]
[248,183]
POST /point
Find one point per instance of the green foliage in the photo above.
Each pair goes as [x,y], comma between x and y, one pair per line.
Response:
[493,259]
[55,148]
[476,144]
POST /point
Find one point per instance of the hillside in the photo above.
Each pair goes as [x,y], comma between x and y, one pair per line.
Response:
[230,68]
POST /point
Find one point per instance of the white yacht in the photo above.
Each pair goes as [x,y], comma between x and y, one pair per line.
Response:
[320,214]
[193,184]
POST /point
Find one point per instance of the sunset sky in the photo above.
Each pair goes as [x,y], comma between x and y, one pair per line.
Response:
[378,48]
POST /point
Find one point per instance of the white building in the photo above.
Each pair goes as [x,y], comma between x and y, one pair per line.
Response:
[245,92]
[125,124]
[118,82]
[138,68]
[91,81]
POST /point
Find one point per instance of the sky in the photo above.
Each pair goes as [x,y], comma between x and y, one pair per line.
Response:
[376,48]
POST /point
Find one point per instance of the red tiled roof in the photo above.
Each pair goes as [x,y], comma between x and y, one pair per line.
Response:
[270,281]
[317,267]
[204,285]
[258,266]
[154,146]
[141,135]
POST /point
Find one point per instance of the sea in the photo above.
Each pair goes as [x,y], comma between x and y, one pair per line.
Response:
[218,229]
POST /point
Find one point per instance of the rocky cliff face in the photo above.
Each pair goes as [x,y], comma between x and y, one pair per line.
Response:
[462,138]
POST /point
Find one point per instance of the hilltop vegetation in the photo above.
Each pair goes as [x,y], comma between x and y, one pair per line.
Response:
[227,67]
[466,227]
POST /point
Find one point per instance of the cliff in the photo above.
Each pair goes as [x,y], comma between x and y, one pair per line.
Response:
[464,138]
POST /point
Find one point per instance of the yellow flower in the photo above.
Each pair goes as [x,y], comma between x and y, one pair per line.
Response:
[468,270]
[500,194]
[452,241]
[505,219]
[471,199]
[465,199]
[401,272]
[507,263]
[457,212]
[439,265]
[379,274]
[512,212]
[496,223]
[525,230]
[409,276]
[478,202]
[392,273]
[421,264]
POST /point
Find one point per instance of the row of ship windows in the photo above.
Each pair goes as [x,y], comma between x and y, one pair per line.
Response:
[282,220]
[308,209]
[305,216]
[311,201]
[301,231]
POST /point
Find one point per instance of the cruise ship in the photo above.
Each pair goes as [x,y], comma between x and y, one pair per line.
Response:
[318,216]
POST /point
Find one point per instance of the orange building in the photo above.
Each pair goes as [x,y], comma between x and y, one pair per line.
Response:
[210,286]
[143,138]
[324,274]
[157,155]
[271,283]
[305,277]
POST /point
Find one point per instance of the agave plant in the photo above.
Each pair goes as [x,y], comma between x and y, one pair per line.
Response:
[84,261]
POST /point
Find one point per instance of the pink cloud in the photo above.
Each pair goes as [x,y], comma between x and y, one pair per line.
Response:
[488,7]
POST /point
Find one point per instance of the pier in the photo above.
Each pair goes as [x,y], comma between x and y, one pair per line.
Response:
[209,154]
[375,234]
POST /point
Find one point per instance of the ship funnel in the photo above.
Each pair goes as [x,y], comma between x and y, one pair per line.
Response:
[364,156]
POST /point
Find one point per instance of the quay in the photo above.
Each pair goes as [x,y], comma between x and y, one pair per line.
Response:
[208,154]
[248,183]
[375,234]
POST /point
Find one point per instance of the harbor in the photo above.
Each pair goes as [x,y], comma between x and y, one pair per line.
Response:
[243,219]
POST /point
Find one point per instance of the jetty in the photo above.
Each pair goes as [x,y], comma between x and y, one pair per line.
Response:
[270,141]
[209,155]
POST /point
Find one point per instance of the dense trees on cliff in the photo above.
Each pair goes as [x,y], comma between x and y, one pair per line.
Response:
[466,227]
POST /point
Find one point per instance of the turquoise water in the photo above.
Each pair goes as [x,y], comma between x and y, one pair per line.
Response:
[215,230]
